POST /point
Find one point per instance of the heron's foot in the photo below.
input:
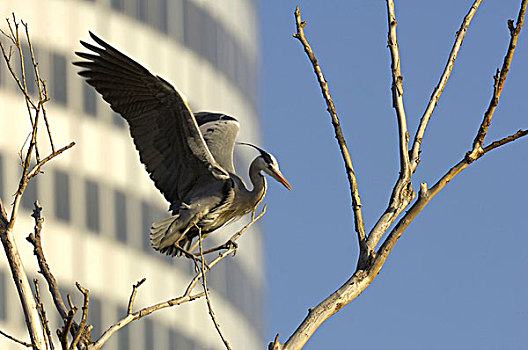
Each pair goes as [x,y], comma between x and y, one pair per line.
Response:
[231,245]
[187,254]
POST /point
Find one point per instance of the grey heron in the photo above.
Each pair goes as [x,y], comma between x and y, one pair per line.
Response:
[188,156]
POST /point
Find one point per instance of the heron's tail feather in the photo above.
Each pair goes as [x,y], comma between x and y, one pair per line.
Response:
[165,234]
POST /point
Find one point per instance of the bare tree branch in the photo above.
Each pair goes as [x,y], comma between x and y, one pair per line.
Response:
[354,192]
[27,345]
[208,300]
[460,34]
[44,269]
[135,287]
[505,140]
[402,193]
[82,329]
[43,319]
[500,77]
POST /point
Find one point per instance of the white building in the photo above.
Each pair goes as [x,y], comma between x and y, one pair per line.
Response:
[98,200]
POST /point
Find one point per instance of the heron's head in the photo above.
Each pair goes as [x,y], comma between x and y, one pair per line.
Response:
[267,163]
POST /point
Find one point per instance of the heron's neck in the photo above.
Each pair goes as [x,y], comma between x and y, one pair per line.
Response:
[259,183]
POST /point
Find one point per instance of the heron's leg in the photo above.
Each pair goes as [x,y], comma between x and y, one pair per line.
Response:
[227,245]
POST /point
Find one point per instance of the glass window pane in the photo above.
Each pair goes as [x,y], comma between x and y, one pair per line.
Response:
[62,195]
[2,193]
[193,27]
[89,100]
[117,5]
[123,335]
[120,216]
[30,194]
[3,295]
[149,334]
[146,223]
[176,9]
[92,205]
[118,120]
[28,69]
[58,70]
[209,38]
[163,21]
[95,316]
[142,11]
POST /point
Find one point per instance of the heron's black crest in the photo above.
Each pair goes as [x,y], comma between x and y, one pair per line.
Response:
[206,117]
[264,154]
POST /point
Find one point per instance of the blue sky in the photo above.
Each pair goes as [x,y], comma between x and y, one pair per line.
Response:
[457,278]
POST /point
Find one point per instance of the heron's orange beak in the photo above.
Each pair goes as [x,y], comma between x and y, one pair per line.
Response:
[277,175]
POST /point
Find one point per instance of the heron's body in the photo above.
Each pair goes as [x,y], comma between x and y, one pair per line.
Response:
[188,156]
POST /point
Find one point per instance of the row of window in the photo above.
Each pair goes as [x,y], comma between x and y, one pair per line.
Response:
[199,31]
[227,278]
[193,26]
[62,204]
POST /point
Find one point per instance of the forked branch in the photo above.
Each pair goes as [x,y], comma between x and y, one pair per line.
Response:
[424,121]
[354,191]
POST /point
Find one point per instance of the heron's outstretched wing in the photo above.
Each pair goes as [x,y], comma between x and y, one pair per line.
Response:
[219,131]
[161,123]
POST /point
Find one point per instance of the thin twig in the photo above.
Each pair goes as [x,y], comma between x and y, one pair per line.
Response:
[81,331]
[459,37]
[41,87]
[44,269]
[10,337]
[354,192]
[505,140]
[37,167]
[500,77]
[43,319]
[204,284]
[139,314]
[135,287]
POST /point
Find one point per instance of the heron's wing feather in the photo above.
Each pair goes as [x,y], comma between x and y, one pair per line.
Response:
[219,131]
[161,123]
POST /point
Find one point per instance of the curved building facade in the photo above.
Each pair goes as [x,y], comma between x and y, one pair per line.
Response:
[98,200]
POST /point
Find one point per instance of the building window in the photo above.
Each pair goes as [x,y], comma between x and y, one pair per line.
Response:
[209,38]
[91,189]
[123,335]
[2,69]
[146,222]
[2,194]
[178,341]
[62,195]
[142,11]
[95,316]
[193,26]
[117,5]
[149,334]
[58,72]
[226,59]
[3,295]
[120,216]
[89,100]
[29,71]
[163,21]
[118,120]
[30,194]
